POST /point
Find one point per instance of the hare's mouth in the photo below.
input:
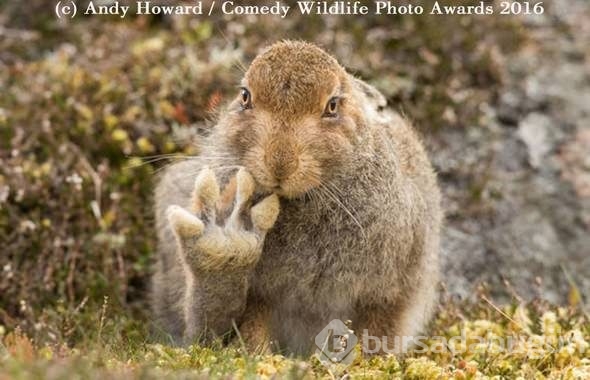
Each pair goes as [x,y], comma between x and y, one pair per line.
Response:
[293,191]
[291,187]
[282,189]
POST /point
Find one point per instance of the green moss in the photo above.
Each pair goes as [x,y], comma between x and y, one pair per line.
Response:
[107,343]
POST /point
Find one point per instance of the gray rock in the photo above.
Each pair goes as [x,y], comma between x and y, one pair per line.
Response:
[518,199]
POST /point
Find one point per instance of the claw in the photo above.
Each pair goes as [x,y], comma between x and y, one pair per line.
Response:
[245,186]
[264,214]
[184,224]
[245,189]
[206,191]
[205,194]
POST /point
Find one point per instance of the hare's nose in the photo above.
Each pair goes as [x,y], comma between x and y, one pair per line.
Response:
[281,162]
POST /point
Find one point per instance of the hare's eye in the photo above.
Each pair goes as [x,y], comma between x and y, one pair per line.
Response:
[332,107]
[245,98]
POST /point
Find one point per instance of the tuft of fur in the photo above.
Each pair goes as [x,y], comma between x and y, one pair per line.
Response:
[356,234]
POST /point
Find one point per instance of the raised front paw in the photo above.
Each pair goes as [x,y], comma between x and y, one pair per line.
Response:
[212,235]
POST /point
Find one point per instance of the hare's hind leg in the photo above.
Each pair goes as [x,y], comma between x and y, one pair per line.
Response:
[397,326]
[393,329]
[254,328]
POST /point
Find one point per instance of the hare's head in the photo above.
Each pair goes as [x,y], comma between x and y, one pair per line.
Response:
[295,121]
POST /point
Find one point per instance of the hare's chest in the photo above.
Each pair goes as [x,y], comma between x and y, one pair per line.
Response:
[312,264]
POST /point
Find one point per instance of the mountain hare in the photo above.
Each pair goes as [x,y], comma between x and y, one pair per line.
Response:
[310,202]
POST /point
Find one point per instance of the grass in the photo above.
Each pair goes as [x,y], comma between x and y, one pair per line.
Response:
[546,343]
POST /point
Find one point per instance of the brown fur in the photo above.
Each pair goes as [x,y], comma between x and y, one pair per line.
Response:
[357,236]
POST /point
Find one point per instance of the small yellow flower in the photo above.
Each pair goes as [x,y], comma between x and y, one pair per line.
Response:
[166,108]
[119,135]
[423,369]
[85,111]
[144,145]
[265,370]
[110,121]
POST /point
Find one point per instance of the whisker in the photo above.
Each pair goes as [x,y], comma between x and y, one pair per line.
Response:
[331,194]
[194,173]
[336,189]
[164,155]
[221,160]
[153,160]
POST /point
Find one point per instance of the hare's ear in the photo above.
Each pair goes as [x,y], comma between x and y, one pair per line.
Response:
[375,97]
